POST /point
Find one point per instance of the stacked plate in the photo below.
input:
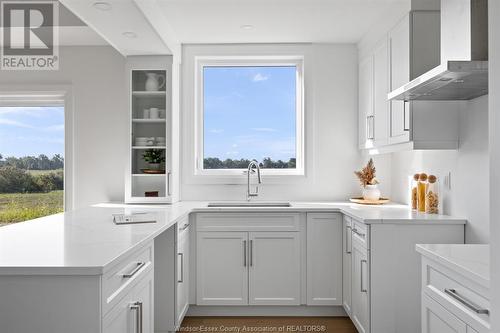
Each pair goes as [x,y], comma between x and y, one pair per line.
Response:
[144,141]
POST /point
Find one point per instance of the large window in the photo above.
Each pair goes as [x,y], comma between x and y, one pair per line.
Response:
[250,109]
[31,160]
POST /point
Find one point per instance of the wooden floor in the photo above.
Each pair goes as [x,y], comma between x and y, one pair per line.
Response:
[268,324]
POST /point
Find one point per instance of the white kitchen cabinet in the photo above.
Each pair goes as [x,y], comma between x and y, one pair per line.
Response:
[347,264]
[274,268]
[366,108]
[381,88]
[182,271]
[222,268]
[454,300]
[436,319]
[134,313]
[324,259]
[408,50]
[140,185]
[360,314]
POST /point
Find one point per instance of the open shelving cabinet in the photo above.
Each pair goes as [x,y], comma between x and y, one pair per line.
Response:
[152,126]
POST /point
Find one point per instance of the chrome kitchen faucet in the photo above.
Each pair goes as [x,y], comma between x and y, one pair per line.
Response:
[253,164]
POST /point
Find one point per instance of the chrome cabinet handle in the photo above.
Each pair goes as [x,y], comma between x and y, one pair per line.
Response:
[370,127]
[134,271]
[251,252]
[244,253]
[168,184]
[471,305]
[184,227]
[137,306]
[406,129]
[347,232]
[363,290]
[358,233]
[181,255]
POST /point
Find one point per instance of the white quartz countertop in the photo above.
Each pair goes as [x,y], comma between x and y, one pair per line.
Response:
[469,260]
[86,241]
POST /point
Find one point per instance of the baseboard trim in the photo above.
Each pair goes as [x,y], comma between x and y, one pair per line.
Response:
[270,311]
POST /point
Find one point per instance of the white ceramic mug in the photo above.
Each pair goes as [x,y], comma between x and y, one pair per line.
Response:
[154,113]
[145,113]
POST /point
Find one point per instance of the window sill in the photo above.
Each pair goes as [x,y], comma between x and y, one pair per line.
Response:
[241,178]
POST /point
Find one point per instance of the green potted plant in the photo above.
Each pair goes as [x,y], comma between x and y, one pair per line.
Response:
[154,158]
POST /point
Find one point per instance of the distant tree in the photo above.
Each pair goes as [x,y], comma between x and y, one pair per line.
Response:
[267,163]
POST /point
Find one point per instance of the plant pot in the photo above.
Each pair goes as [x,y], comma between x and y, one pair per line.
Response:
[154,166]
[371,192]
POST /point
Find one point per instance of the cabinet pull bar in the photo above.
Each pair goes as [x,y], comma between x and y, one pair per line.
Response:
[181,280]
[347,232]
[363,290]
[137,306]
[358,233]
[169,193]
[471,305]
[185,227]
[244,253]
[134,271]
[251,252]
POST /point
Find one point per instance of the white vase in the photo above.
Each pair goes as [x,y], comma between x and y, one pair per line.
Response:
[371,192]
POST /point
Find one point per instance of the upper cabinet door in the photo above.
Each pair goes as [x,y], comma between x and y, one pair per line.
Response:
[221,268]
[365,107]
[324,259]
[274,268]
[381,89]
[399,43]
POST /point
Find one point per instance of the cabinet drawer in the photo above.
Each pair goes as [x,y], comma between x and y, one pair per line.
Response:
[360,233]
[247,222]
[117,282]
[460,296]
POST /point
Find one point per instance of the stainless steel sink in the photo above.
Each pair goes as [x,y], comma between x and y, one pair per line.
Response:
[249,204]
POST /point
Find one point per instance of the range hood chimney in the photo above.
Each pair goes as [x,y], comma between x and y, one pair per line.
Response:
[463,72]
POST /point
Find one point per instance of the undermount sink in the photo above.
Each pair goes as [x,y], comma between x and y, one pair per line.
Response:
[249,204]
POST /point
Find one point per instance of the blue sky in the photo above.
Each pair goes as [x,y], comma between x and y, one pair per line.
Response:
[31,131]
[249,112]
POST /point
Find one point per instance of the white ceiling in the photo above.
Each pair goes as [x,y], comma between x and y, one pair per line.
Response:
[275,21]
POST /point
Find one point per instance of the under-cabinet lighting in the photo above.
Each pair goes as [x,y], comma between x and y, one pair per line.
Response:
[102,5]
[129,34]
[247,27]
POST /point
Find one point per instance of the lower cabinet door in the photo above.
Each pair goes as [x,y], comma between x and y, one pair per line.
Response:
[347,264]
[274,268]
[324,259]
[360,289]
[134,313]
[436,319]
[221,268]
[182,276]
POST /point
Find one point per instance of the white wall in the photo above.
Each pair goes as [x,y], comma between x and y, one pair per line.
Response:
[97,78]
[494,121]
[468,196]
[331,125]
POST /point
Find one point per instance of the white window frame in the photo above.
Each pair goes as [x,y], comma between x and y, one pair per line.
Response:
[49,95]
[247,61]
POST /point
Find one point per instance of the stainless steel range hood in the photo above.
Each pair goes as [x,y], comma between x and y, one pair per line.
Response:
[463,73]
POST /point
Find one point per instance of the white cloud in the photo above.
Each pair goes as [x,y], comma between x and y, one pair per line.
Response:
[216,131]
[234,145]
[264,129]
[232,153]
[14,123]
[55,128]
[259,77]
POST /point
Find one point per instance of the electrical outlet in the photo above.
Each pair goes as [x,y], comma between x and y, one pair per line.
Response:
[447,181]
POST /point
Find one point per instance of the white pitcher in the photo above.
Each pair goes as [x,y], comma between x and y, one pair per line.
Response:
[153,81]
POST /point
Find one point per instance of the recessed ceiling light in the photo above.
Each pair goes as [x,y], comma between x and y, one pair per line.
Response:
[102,5]
[129,34]
[247,27]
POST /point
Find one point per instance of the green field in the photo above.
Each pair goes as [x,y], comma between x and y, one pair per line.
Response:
[18,207]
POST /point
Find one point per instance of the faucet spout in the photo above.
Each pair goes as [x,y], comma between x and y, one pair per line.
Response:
[253,164]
